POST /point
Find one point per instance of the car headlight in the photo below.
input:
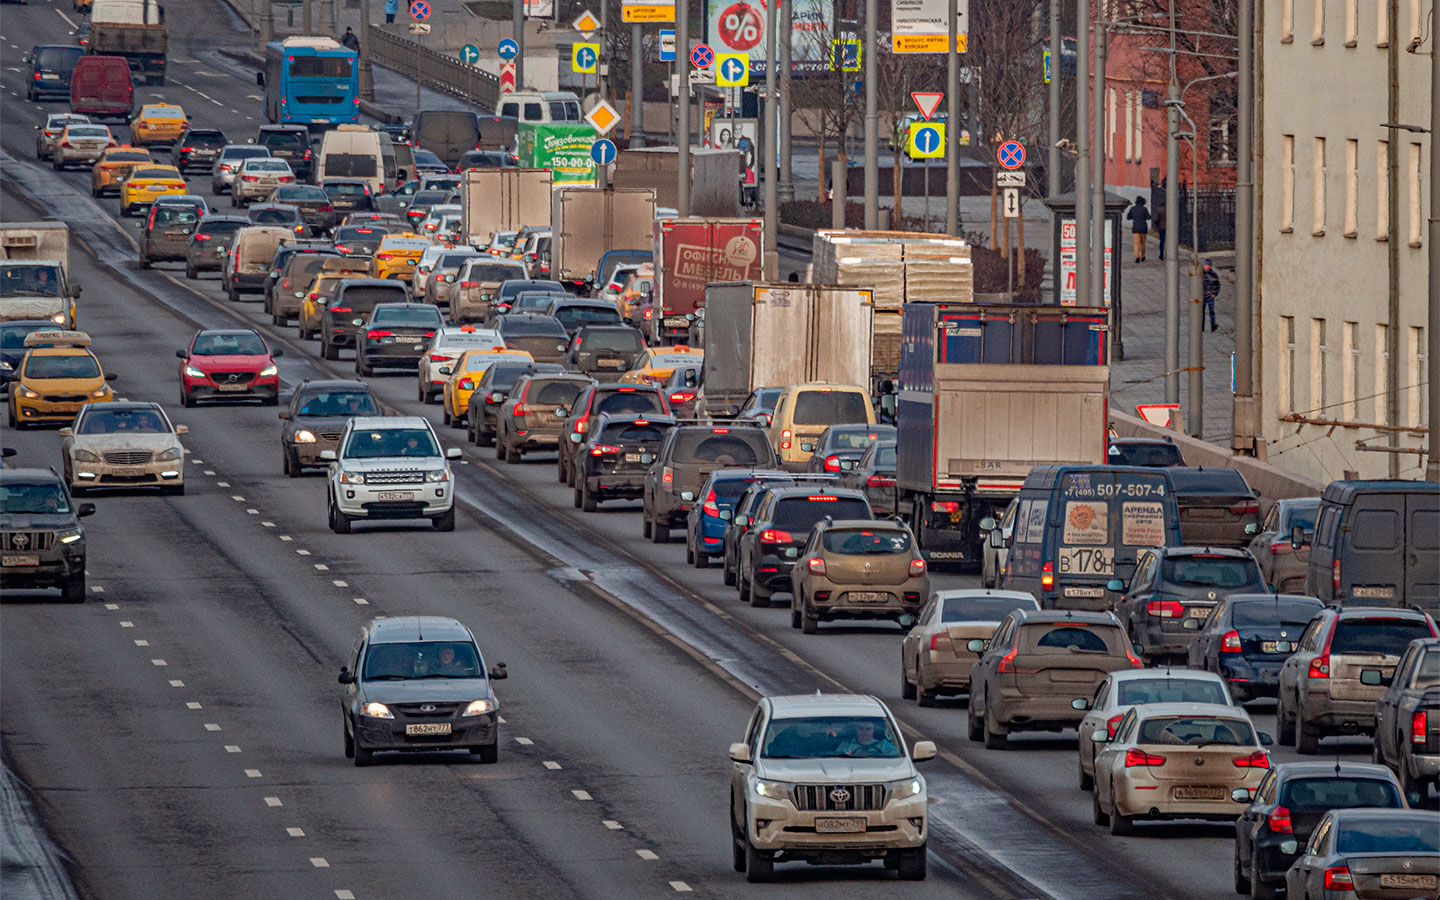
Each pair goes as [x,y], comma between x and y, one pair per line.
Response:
[304,436]
[269,370]
[376,711]
[102,391]
[70,535]
[438,475]
[905,787]
[480,708]
[194,372]
[775,790]
[85,456]
[28,394]
[352,477]
[5,366]
[167,455]
[58,318]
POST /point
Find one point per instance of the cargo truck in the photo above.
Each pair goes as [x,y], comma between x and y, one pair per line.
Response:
[714,177]
[134,30]
[985,392]
[586,222]
[691,253]
[34,273]
[493,200]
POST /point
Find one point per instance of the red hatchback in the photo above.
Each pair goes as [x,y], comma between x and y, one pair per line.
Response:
[229,364]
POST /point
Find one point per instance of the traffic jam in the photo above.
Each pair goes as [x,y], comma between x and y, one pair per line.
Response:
[865,452]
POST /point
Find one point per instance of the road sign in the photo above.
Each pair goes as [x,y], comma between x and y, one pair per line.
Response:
[1046,58]
[927,102]
[1011,198]
[919,26]
[1009,179]
[603,152]
[508,49]
[507,78]
[586,23]
[603,116]
[420,10]
[1157,413]
[732,69]
[469,54]
[647,11]
[845,55]
[926,140]
[1011,155]
[667,45]
[701,56]
[583,57]
[419,27]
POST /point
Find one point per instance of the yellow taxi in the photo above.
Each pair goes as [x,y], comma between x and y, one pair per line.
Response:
[57,376]
[157,123]
[114,165]
[398,254]
[655,365]
[145,183]
[321,291]
[465,373]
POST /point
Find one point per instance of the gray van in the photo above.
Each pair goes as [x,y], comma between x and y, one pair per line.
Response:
[447,133]
[1080,527]
[1377,543]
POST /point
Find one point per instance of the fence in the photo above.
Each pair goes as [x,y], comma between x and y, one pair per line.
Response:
[1215,215]
[433,69]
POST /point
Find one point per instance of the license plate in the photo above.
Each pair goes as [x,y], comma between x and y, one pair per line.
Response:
[1087,560]
[232,387]
[610,362]
[49,76]
[428,728]
[397,496]
[1426,882]
[1269,646]
[632,457]
[868,596]
[26,560]
[675,321]
[1373,592]
[839,826]
[1093,593]
[1199,792]
[1200,612]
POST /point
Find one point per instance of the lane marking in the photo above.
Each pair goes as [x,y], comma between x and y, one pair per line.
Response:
[198,462]
[344,895]
[581,795]
[319,862]
[158,662]
[286,537]
[237,498]
[211,726]
[524,742]
[193,705]
[97,589]
[177,683]
[112,606]
[339,583]
[232,748]
[321,567]
[127,624]
[649,855]
[142,643]
[303,552]
[252,773]
[253,512]
[611,824]
[66,18]
[273,801]
[681,887]
[551,764]
[295,832]
[500,719]
[268,524]
[222,484]
[362,601]
[209,471]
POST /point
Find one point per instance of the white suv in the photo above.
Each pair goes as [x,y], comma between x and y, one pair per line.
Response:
[390,467]
[820,777]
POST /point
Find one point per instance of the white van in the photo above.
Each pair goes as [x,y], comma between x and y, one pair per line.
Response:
[356,152]
[542,106]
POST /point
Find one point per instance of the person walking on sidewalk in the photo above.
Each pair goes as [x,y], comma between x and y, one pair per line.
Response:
[1210,287]
[1139,217]
[391,8]
[350,40]
[1158,215]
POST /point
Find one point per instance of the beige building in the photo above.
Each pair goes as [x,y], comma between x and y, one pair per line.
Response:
[1324,335]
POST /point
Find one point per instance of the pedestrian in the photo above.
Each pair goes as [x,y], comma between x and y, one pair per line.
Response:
[350,39]
[1210,289]
[1139,217]
[1157,214]
[391,8]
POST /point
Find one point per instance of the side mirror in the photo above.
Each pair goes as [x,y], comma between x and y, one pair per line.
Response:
[576,437]
[277,351]
[1252,528]
[987,523]
[66,432]
[181,354]
[1373,678]
[1285,646]
[726,515]
[1100,736]
[996,539]
[111,376]
[1266,740]
[975,645]
[357,322]
[742,521]
[1080,703]
[1290,847]
[923,750]
[498,672]
[75,291]
[182,429]
[1297,537]
[140,224]
[447,370]
[284,416]
[1191,624]
[1413,798]
[260,79]
[1115,584]
[346,676]
[1136,649]
[328,455]
[562,413]
[452,453]
[1242,795]
[740,753]
[85,509]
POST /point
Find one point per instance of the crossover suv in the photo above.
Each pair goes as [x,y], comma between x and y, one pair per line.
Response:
[690,453]
[594,401]
[528,419]
[774,534]
[1282,558]
[611,459]
[315,419]
[935,657]
[1172,585]
[860,569]
[42,543]
[390,467]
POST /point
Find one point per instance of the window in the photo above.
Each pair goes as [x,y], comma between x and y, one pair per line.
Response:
[1317,366]
[1352,22]
[1413,32]
[1287,20]
[1318,20]
[1413,180]
[1382,188]
[1286,399]
[1380,385]
[1137,100]
[1129,126]
[1349,357]
[1317,180]
[1110,123]
[1352,185]
[1414,375]
[1222,123]
[1287,182]
[1382,27]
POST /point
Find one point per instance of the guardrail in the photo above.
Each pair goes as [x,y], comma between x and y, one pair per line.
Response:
[433,69]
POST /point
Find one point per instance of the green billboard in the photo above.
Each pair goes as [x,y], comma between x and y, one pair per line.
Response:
[561,147]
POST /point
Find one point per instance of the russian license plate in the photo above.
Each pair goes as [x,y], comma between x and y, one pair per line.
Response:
[396,496]
[1424,882]
[632,457]
[676,321]
[232,387]
[428,728]
[26,560]
[1199,792]
[1372,592]
[868,596]
[1087,560]
[1200,612]
[610,362]
[839,826]
[1092,593]
[1269,646]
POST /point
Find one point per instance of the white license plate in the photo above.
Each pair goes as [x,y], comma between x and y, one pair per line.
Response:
[232,387]
[1373,592]
[397,496]
[26,560]
[868,596]
[840,826]
[1200,612]
[676,321]
[1087,560]
[1085,593]
[1269,646]
[610,362]
[1424,882]
[428,728]
[1198,792]
[632,457]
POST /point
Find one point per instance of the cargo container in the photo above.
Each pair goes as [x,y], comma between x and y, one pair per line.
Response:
[691,253]
[34,273]
[714,178]
[586,222]
[493,200]
[134,30]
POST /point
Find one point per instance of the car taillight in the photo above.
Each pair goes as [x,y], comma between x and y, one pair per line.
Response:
[200,236]
[1112,723]
[307,154]
[945,506]
[1007,662]
[1279,821]
[917,568]
[667,475]
[776,536]
[940,640]
[711,507]
[467,384]
[64,143]
[879,481]
[225,167]
[1335,573]
[1279,547]
[187,149]
[1246,509]
[249,177]
[582,423]
[1134,757]
[1047,576]
[373,333]
[287,178]
[325,207]
[785,434]
[384,256]
[1337,878]
[832,463]
[469,284]
[520,410]
[1419,723]
[603,449]
[817,566]
[37,76]
[1165,609]
[342,248]
[1257,760]
[1320,667]
[682,396]
[1230,643]
[649,313]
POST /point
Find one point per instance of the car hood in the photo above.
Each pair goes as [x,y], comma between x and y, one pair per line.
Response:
[101,442]
[321,423]
[36,521]
[231,363]
[442,690]
[826,771]
[390,463]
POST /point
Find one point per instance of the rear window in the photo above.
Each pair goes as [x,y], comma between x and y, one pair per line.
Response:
[511,327]
[630,402]
[492,272]
[553,393]
[1198,482]
[284,139]
[1388,636]
[631,433]
[575,316]
[1262,613]
[503,377]
[407,316]
[474,160]
[615,341]
[1428,672]
[830,408]
[1140,691]
[128,156]
[1210,572]
[1196,731]
[720,445]
[732,488]
[1085,639]
[303,193]
[244,153]
[360,233]
[273,216]
[1145,455]
[205,138]
[265,164]
[1106,508]
[1324,794]
[89,131]
[367,297]
[983,609]
[353,165]
[346,188]
[1388,836]
[866,542]
[858,440]
[58,59]
[801,513]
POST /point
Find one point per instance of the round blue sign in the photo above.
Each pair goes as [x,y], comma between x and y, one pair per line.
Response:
[509,49]
[603,152]
[702,56]
[470,54]
[419,10]
[927,139]
[1011,155]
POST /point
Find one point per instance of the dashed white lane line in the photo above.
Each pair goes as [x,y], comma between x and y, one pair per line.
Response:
[112,606]
[142,643]
[158,662]
[319,862]
[66,18]
[175,682]
[338,582]
[286,537]
[681,887]
[198,462]
[209,471]
[611,824]
[524,742]
[295,832]
[127,624]
[551,764]
[649,855]
[232,748]
[273,801]
[344,895]
[321,567]
[362,601]
[253,512]
[581,795]
[303,552]
[211,726]
[500,719]
[222,484]
[252,773]
[193,705]
[97,589]
[237,498]
[268,524]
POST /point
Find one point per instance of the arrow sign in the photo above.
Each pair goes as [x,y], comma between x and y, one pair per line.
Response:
[419,27]
[583,57]
[927,140]
[469,54]
[702,56]
[1010,179]
[667,45]
[1011,202]
[927,101]
[603,152]
[508,49]
[507,77]
[586,23]
[732,69]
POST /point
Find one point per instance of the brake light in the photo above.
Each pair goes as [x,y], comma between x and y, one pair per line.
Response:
[667,475]
[1335,573]
[1230,643]
[776,536]
[64,143]
[1279,821]
[711,508]
[582,423]
[938,639]
[1112,723]
[832,463]
[1246,509]
[1419,724]
[784,434]
[1320,667]
[821,498]
[225,167]
[1135,757]
[519,410]
[1278,547]
[719,431]
[1256,760]
[945,506]
[1337,878]
[469,284]
[287,178]
[307,154]
[879,481]
[817,566]
[249,177]
[1047,576]
[467,384]
[1007,661]
[325,207]
[1165,609]
[603,449]
[342,248]
[917,568]
[438,357]
[374,333]
[384,256]
[682,396]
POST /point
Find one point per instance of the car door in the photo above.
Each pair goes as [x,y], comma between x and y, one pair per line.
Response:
[1299,662]
[1105,759]
[1200,647]
[910,647]
[1132,603]
[1422,551]
[740,772]
[1305,872]
[1095,719]
[981,671]
[747,537]
[1260,544]
[1387,725]
[1254,813]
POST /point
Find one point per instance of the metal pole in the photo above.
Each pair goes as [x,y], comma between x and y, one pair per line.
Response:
[1082,152]
[1195,415]
[837,195]
[417,72]
[786,186]
[1432,331]
[1242,439]
[1392,245]
[682,123]
[1097,180]
[267,23]
[517,25]
[952,125]
[926,226]
[307,16]
[1172,227]
[770,108]
[1052,163]
[602,59]
[637,87]
[334,16]
[872,121]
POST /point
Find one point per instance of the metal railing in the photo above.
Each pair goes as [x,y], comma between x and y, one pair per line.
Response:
[432,68]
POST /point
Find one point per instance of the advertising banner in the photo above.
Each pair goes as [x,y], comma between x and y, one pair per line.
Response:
[738,26]
[563,148]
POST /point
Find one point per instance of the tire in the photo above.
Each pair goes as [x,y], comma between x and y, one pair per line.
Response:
[689,553]
[361,369]
[702,560]
[1087,782]
[363,756]
[923,697]
[339,522]
[174,490]
[575,498]
[488,754]
[660,534]
[444,413]
[588,503]
[292,464]
[1098,815]
[912,864]
[501,450]
[514,456]
[483,437]
[994,740]
[737,845]
[191,272]
[808,624]
[1121,826]
[975,726]
[744,585]
[348,742]
[645,527]
[445,521]
[1284,725]
[759,865]
[1262,890]
[907,687]
[794,617]
[329,351]
[1307,740]
[727,575]
[560,467]
[74,590]
[230,293]
[186,400]
[271,401]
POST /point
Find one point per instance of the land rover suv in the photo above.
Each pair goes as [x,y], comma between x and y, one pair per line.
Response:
[390,467]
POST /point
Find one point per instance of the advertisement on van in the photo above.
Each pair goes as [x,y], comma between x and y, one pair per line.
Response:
[563,148]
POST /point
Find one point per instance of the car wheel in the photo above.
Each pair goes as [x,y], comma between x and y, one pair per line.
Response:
[727,574]
[1284,725]
[328,350]
[444,414]
[174,490]
[514,455]
[588,503]
[1120,826]
[361,368]
[757,599]
[645,526]
[186,400]
[348,741]
[996,737]
[659,534]
[737,844]
[689,552]
[445,521]
[975,726]
[231,293]
[1261,890]
[560,467]
[339,522]
[907,687]
[191,272]
[794,616]
[702,560]
[912,864]
[1097,815]
[501,448]
[744,584]
[484,437]
[570,475]
[924,697]
[144,261]
[759,864]
[1087,782]
[363,756]
[808,624]
[74,589]
[1307,740]
[488,754]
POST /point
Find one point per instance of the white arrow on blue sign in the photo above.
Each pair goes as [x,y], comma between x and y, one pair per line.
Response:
[927,140]
[603,152]
[509,49]
[734,69]
[470,54]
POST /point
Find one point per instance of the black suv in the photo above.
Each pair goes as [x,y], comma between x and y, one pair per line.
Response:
[197,149]
[688,456]
[640,399]
[292,144]
[744,509]
[1174,584]
[604,352]
[354,300]
[42,543]
[612,458]
[768,547]
[51,66]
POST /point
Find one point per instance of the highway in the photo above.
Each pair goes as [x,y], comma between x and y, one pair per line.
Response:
[182,729]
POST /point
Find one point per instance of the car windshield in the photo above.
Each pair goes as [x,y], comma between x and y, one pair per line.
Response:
[830,408]
[1210,571]
[1387,636]
[29,279]
[408,317]
[1140,691]
[799,514]
[1126,454]
[630,402]
[863,542]
[122,421]
[422,659]
[33,498]
[12,337]
[983,609]
[1365,836]
[1196,731]
[380,442]
[339,403]
[858,439]
[1338,792]
[721,446]
[229,345]
[730,488]
[617,341]
[78,365]
[830,737]
[1272,613]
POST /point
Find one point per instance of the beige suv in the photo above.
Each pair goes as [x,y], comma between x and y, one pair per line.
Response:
[826,778]
[858,569]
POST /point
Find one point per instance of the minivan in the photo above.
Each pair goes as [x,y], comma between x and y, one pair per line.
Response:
[804,411]
[353,152]
[1377,543]
[248,265]
[1078,528]
[100,86]
[50,69]
[541,106]
[447,133]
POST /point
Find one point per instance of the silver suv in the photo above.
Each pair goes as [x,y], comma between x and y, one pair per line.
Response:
[390,467]
[826,777]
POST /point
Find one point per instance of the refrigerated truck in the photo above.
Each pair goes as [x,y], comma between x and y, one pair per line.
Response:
[495,200]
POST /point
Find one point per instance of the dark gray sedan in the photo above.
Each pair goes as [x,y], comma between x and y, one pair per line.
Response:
[395,335]
[314,204]
[210,242]
[1380,853]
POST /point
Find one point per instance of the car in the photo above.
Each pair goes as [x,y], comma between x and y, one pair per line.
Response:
[477,284]
[1218,508]
[40,531]
[996,551]
[441,280]
[351,195]
[12,346]
[637,298]
[482,411]
[1407,717]
[759,406]
[48,135]
[1281,561]
[825,778]
[397,256]
[681,389]
[744,510]
[50,68]
[533,302]
[1036,665]
[935,657]
[227,165]
[419,683]
[343,305]
[1291,800]
[767,549]
[419,203]
[81,143]
[1323,689]
[1246,638]
[530,418]
[512,287]
[210,242]
[358,240]
[543,337]
[280,215]
[442,223]
[1160,452]
[157,124]
[484,159]
[114,166]
[1375,544]
[229,364]
[146,183]
[291,143]
[57,376]
[395,334]
[603,352]
[389,467]
[165,235]
[463,377]
[1176,761]
[249,264]
[612,457]
[295,272]
[803,413]
[257,177]
[686,458]
[592,402]
[123,444]
[840,447]
[576,312]
[432,252]
[858,569]
[315,418]
[655,364]
[1173,584]
[313,203]
[1370,852]
[1124,689]
[197,148]
[427,163]
[445,347]
[712,510]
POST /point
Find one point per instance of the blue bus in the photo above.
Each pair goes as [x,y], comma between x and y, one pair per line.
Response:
[311,81]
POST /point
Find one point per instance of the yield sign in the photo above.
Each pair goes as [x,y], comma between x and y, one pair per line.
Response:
[927,101]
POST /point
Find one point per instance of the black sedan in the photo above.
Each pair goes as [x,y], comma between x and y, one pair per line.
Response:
[395,336]
[1247,638]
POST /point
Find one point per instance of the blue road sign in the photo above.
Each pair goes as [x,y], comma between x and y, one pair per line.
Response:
[667,45]
[1011,155]
[586,56]
[469,54]
[702,56]
[603,152]
[927,139]
[419,10]
[732,70]
[509,49]
[1046,57]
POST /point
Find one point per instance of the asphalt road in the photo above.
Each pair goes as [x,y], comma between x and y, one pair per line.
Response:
[218,771]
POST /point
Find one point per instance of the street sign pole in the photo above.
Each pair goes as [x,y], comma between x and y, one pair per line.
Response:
[682,123]
[519,36]
[927,195]
[786,186]
[768,152]
[952,122]
[637,85]
[872,122]
[367,74]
